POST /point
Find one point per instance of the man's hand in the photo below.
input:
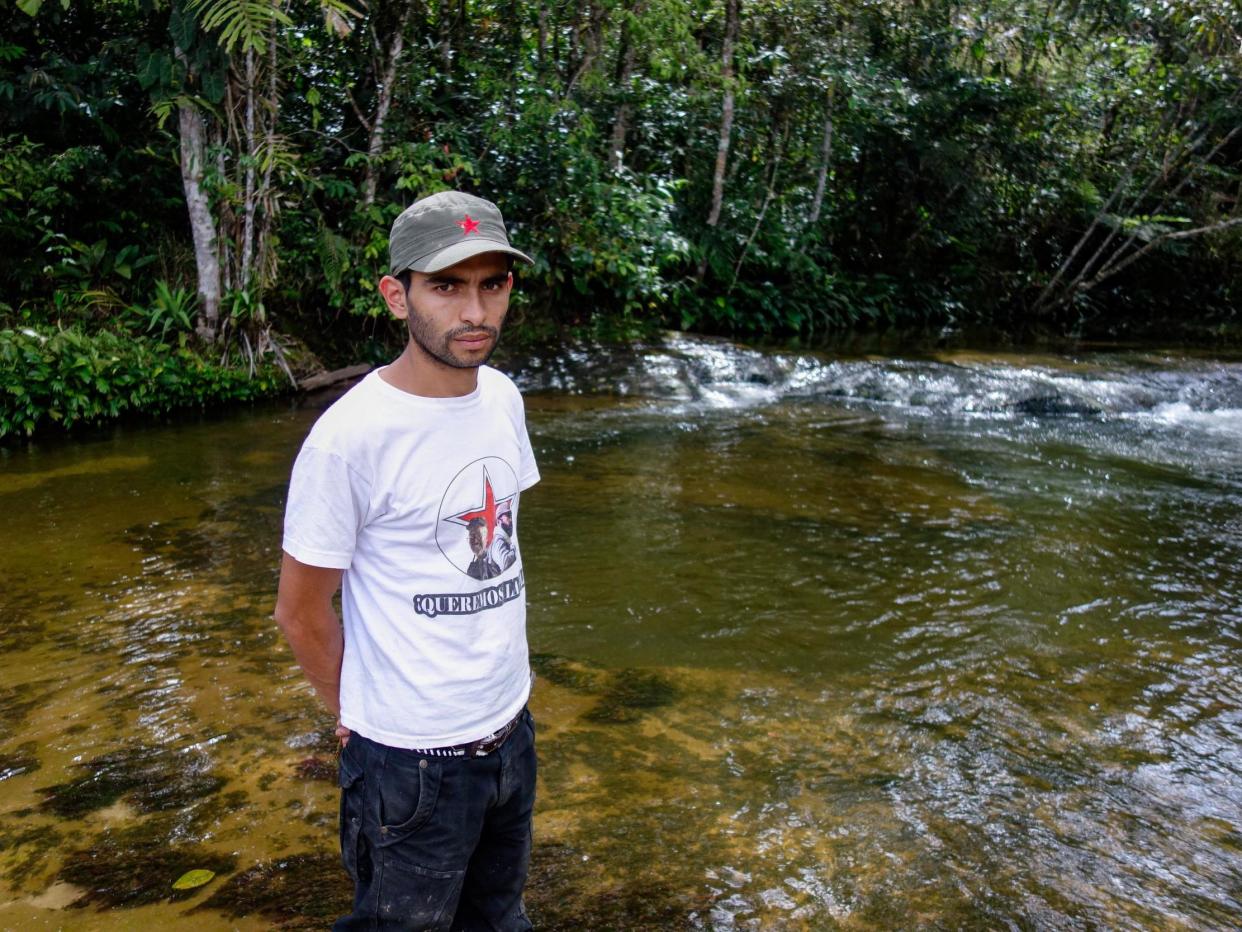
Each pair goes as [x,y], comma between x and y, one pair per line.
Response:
[304,612]
[342,733]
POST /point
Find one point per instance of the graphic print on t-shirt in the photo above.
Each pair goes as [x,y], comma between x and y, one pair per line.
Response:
[475,530]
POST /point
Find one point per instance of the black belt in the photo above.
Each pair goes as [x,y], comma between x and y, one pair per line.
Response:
[480,748]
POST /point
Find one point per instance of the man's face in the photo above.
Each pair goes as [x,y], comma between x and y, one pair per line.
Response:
[476,538]
[455,315]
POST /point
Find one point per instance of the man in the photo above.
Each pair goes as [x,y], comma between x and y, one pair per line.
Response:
[482,566]
[430,674]
[502,552]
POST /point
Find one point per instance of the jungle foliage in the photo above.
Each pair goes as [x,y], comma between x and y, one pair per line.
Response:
[68,378]
[226,170]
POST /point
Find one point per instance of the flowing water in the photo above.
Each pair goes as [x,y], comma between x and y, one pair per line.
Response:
[946,641]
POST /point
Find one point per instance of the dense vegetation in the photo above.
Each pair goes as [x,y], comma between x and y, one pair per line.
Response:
[67,377]
[218,176]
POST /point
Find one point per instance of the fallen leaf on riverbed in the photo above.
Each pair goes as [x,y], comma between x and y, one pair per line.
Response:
[191,879]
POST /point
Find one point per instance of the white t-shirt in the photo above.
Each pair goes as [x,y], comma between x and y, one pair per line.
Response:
[402,492]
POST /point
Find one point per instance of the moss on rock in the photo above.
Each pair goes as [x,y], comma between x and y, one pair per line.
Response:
[304,890]
[126,869]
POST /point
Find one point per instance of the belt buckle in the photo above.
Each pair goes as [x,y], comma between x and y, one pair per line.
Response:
[493,741]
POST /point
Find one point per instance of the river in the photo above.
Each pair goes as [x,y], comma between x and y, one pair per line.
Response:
[944,640]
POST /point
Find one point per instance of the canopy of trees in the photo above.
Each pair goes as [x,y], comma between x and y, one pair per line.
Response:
[223,172]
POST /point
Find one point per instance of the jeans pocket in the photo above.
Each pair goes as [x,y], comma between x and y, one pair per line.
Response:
[349,774]
[407,798]
[424,899]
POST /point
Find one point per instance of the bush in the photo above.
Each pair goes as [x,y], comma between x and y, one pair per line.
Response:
[67,377]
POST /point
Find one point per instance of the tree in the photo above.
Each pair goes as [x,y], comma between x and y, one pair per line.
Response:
[231,58]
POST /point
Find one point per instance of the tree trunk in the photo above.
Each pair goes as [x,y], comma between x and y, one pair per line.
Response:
[621,125]
[446,35]
[543,38]
[1184,153]
[1049,293]
[265,260]
[1161,207]
[778,151]
[375,146]
[732,12]
[202,225]
[587,41]
[224,218]
[248,199]
[571,53]
[726,118]
[825,163]
[1111,269]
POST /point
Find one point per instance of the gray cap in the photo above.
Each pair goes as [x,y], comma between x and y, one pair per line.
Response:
[446,228]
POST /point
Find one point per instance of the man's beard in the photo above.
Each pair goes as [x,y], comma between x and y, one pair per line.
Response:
[440,346]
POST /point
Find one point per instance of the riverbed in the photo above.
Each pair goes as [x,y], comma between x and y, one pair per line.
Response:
[944,640]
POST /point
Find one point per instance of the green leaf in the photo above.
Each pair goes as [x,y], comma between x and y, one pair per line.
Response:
[213,85]
[29,7]
[191,879]
[151,70]
[182,26]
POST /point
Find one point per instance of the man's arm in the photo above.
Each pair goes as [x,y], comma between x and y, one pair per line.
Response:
[304,612]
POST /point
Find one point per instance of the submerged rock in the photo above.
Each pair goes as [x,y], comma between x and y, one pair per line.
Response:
[24,615]
[569,891]
[26,847]
[301,891]
[317,768]
[1053,406]
[566,891]
[229,538]
[628,695]
[17,702]
[562,671]
[152,779]
[126,869]
[18,762]
[624,695]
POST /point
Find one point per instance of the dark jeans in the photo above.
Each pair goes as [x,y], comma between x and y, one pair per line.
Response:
[438,843]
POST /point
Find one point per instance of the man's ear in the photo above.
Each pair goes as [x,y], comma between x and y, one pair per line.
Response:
[393,293]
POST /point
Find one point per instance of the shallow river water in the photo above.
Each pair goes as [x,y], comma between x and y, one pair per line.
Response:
[942,641]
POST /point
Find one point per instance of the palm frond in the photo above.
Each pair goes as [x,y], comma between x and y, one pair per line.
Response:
[239,24]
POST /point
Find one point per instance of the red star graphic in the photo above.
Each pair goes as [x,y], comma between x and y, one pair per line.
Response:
[468,225]
[486,511]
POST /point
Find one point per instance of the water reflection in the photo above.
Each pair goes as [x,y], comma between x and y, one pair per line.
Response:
[821,643]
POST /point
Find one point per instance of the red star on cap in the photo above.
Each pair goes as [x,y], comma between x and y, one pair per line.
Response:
[468,225]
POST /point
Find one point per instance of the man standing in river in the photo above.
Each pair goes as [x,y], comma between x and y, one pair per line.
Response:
[397,489]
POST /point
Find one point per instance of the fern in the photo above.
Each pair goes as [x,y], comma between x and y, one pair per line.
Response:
[333,256]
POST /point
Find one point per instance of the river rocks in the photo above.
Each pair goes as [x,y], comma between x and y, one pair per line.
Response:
[302,891]
[1053,406]
[570,891]
[629,694]
[126,869]
[565,672]
[624,695]
[151,779]
[18,762]
[317,768]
